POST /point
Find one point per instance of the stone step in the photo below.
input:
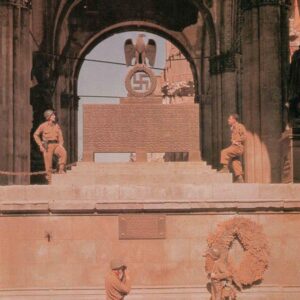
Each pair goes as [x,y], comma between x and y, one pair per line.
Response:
[155,179]
[141,174]
[141,165]
[259,193]
[141,168]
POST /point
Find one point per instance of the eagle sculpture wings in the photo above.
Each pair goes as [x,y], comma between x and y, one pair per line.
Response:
[140,51]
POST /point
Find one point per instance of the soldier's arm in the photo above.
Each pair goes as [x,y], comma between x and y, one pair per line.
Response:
[240,135]
[60,136]
[222,272]
[123,287]
[37,136]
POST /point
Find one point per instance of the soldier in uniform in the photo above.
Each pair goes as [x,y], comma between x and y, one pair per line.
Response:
[117,282]
[222,284]
[49,138]
[235,150]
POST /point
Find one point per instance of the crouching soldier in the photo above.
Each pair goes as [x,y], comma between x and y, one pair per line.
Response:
[234,152]
[49,138]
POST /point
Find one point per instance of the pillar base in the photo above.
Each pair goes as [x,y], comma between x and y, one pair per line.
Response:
[290,146]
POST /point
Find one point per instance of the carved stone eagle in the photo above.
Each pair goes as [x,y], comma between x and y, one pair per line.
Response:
[140,51]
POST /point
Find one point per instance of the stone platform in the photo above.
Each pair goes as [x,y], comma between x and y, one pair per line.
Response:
[57,240]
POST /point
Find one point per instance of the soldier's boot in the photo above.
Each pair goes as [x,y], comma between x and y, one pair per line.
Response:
[61,169]
[224,169]
[48,177]
[240,179]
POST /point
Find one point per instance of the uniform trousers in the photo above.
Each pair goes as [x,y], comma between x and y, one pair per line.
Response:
[57,150]
[232,154]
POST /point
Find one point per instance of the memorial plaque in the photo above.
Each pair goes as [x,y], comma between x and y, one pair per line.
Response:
[134,227]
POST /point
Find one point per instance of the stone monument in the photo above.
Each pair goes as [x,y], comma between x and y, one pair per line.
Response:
[141,125]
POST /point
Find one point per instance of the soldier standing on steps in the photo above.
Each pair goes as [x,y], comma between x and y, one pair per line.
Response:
[234,152]
[49,138]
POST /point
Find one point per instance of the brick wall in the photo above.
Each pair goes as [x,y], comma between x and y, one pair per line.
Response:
[140,128]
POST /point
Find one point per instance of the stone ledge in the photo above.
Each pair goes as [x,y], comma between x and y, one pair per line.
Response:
[171,198]
[157,205]
[147,293]
[218,192]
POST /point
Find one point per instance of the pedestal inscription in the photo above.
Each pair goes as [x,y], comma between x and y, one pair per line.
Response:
[134,227]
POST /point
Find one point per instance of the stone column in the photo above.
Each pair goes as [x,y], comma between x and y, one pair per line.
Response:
[66,121]
[16,113]
[74,124]
[262,88]
[223,79]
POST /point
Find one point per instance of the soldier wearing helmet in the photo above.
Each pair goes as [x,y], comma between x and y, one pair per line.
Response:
[50,140]
[220,276]
[117,282]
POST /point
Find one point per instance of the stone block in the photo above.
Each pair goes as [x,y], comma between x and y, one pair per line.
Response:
[71,206]
[274,191]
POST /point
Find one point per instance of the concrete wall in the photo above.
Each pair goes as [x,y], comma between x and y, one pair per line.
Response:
[74,261]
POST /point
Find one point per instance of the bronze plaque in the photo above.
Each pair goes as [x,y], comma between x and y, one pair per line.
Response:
[134,227]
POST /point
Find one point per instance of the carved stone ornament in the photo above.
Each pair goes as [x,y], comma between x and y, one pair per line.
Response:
[18,3]
[252,264]
[140,81]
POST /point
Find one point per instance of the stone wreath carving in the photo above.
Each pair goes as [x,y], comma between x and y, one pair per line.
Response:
[140,81]
[226,274]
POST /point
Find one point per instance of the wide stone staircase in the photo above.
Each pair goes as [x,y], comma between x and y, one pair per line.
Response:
[141,174]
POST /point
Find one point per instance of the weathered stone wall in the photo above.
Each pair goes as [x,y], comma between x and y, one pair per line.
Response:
[141,128]
[79,248]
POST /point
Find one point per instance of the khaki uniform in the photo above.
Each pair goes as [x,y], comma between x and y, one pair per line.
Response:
[235,151]
[115,288]
[221,275]
[51,132]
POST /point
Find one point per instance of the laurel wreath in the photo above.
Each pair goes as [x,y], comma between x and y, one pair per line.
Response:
[256,254]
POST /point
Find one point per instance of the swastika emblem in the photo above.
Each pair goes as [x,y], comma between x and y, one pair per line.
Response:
[140,82]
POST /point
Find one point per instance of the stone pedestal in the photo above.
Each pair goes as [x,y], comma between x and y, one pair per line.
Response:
[290,147]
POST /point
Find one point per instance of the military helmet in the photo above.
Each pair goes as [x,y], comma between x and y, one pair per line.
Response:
[214,253]
[48,113]
[116,264]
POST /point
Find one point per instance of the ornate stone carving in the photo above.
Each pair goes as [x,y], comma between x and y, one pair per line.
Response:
[222,63]
[140,81]
[19,3]
[249,4]
[140,51]
[227,275]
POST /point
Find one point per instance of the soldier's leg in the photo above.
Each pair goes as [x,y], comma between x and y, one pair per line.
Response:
[61,153]
[226,155]
[48,156]
[237,166]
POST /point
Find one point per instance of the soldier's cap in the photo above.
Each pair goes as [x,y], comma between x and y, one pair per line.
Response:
[48,113]
[214,253]
[117,264]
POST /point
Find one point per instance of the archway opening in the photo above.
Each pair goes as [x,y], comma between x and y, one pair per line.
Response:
[101,81]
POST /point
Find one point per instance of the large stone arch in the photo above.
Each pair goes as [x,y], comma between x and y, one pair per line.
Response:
[177,40]
[63,45]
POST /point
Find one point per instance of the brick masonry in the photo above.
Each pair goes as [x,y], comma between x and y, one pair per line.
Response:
[140,128]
